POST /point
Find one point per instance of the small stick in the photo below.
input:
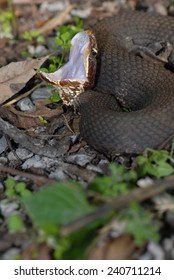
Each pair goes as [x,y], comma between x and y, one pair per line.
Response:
[39,180]
[157,187]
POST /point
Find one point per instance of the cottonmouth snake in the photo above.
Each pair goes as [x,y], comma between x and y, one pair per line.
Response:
[126,80]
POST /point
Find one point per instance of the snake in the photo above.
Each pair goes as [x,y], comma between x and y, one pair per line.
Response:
[125,96]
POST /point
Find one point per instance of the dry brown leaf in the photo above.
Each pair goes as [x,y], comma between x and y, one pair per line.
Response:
[15,75]
[27,119]
[120,248]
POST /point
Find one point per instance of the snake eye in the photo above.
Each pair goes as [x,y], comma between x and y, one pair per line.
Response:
[94,52]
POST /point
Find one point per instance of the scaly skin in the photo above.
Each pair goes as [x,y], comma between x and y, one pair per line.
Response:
[126,80]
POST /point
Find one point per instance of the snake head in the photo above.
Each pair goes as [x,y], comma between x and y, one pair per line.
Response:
[78,74]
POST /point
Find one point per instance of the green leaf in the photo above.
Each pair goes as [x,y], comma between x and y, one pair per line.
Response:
[10,192]
[27,36]
[155,163]
[20,186]
[119,181]
[25,193]
[140,160]
[14,223]
[57,204]
[43,70]
[55,97]
[66,36]
[140,224]
[10,183]
[42,119]
[62,29]
[164,169]
[59,41]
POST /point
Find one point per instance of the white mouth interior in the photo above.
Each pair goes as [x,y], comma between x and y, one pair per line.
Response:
[75,67]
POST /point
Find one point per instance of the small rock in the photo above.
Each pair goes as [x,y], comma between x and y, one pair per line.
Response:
[12,157]
[169,217]
[26,105]
[4,245]
[80,159]
[58,174]
[145,256]
[31,49]
[8,208]
[82,13]
[156,251]
[52,7]
[145,182]
[34,161]
[23,153]
[11,254]
[95,168]
[168,245]
[39,162]
[41,94]
[3,160]
[40,51]
[3,144]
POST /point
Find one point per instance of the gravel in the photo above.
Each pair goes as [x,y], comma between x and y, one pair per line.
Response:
[26,105]
[3,144]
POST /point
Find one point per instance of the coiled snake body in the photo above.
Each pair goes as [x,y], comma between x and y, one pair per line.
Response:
[125,80]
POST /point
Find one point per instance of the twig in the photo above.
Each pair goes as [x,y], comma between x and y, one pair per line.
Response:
[39,180]
[157,187]
[57,20]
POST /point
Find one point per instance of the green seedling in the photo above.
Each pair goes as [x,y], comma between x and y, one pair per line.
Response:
[42,119]
[140,224]
[14,188]
[15,223]
[33,35]
[119,181]
[155,163]
[6,19]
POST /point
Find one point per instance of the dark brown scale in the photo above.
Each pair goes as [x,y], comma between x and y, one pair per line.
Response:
[126,80]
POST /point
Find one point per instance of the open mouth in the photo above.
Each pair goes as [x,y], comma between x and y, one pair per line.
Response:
[78,74]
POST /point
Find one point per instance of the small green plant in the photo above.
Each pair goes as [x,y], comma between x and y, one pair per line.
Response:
[55,96]
[8,22]
[139,224]
[25,53]
[54,64]
[67,32]
[6,19]
[42,119]
[33,35]
[155,163]
[14,188]
[15,223]
[119,181]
